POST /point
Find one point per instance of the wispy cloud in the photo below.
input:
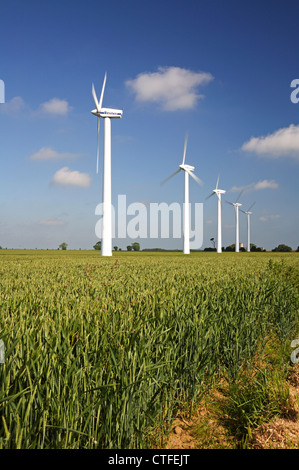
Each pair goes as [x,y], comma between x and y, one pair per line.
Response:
[265,218]
[13,106]
[174,88]
[51,222]
[47,153]
[67,177]
[281,143]
[265,184]
[55,107]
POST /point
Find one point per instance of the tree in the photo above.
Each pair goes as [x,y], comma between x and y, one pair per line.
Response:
[63,246]
[230,248]
[97,246]
[129,248]
[136,246]
[115,248]
[283,248]
[297,249]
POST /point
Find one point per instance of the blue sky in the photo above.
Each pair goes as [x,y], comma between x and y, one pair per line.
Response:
[219,70]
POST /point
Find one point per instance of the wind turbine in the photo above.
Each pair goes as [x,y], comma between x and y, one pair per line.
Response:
[248,213]
[107,114]
[188,169]
[218,193]
[236,205]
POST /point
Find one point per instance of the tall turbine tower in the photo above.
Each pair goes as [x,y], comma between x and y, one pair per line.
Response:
[236,205]
[218,192]
[188,171]
[106,114]
[248,213]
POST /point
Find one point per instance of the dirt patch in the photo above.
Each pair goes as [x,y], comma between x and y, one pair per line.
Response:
[205,431]
[181,435]
[281,433]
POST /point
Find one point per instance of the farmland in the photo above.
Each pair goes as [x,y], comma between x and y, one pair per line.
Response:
[103,352]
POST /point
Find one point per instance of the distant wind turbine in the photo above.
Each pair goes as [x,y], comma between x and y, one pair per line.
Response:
[218,192]
[248,213]
[106,114]
[188,171]
[236,205]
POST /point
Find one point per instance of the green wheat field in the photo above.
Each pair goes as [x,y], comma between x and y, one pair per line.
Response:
[103,352]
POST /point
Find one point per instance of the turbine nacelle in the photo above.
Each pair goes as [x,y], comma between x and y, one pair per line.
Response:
[108,112]
[219,191]
[187,167]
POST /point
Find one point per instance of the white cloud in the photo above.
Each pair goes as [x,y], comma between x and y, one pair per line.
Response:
[282,143]
[67,177]
[265,218]
[265,184]
[55,106]
[47,153]
[51,222]
[52,107]
[14,106]
[174,88]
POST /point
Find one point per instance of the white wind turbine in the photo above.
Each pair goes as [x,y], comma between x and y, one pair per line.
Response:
[236,205]
[188,171]
[106,114]
[248,213]
[218,192]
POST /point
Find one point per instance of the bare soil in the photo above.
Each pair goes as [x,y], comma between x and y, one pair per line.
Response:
[204,429]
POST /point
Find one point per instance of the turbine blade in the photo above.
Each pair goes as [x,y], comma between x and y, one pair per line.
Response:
[102,93]
[212,194]
[242,191]
[185,148]
[217,181]
[98,142]
[228,202]
[95,97]
[195,177]
[242,211]
[250,207]
[171,176]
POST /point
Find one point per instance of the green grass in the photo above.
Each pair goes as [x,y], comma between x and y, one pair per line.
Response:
[102,352]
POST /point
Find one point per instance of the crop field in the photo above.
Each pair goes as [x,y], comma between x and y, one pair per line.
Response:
[103,352]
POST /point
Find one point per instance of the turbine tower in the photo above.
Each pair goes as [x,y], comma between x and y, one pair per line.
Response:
[107,114]
[248,213]
[188,171]
[236,205]
[218,192]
